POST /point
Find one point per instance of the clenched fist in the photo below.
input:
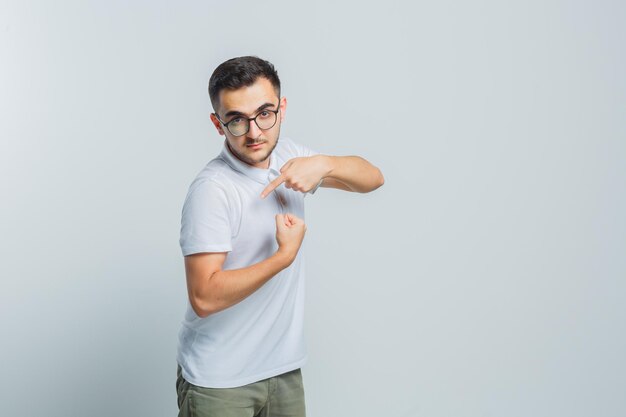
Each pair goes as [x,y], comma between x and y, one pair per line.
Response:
[289,234]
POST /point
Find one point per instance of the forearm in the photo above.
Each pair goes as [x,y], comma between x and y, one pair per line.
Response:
[355,172]
[225,288]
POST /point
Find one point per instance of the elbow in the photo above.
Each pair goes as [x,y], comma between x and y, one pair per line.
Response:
[202,308]
[375,181]
[202,295]
[379,180]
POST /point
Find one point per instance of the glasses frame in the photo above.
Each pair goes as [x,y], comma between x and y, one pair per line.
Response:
[250,119]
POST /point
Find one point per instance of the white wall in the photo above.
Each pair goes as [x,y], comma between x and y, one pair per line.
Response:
[486,278]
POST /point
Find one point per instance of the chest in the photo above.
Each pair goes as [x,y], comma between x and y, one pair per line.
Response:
[254,219]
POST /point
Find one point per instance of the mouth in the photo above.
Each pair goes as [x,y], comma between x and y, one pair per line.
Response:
[255,145]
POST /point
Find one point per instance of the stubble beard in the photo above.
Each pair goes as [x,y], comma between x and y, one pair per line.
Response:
[255,161]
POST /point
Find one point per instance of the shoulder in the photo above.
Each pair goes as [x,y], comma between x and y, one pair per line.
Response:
[214,175]
[212,184]
[287,148]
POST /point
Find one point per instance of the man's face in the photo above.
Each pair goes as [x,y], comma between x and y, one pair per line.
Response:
[255,147]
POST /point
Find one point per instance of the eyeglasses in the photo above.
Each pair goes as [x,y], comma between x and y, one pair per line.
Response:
[239,126]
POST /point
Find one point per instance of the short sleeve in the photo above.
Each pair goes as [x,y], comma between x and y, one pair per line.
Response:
[205,221]
[302,150]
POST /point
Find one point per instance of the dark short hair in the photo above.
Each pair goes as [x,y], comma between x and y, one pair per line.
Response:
[240,72]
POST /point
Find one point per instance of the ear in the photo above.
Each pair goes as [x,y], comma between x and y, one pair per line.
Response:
[217,124]
[283,108]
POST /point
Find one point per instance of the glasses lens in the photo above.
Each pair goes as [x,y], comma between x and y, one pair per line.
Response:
[266,119]
[238,126]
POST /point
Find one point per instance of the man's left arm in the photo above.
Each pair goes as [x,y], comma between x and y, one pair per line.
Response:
[349,173]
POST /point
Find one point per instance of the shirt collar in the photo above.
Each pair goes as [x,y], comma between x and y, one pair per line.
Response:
[260,175]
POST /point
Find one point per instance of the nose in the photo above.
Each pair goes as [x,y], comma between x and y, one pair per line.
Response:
[254,131]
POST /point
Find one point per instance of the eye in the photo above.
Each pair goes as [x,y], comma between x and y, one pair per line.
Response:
[236,120]
[264,113]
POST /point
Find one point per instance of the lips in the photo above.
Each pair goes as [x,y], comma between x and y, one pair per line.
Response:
[255,145]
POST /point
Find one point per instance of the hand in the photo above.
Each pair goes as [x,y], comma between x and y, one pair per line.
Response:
[289,234]
[301,174]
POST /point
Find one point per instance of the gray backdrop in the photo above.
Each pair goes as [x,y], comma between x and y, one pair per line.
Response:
[486,278]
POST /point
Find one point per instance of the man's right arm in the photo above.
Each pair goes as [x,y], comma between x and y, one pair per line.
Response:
[212,289]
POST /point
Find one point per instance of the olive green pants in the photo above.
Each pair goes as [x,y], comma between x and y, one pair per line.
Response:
[279,396]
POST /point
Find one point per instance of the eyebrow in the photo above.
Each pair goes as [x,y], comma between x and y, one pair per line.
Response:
[238,113]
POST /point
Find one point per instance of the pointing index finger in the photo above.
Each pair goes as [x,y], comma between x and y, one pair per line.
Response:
[272,186]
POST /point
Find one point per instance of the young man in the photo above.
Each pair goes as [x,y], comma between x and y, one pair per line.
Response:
[241,344]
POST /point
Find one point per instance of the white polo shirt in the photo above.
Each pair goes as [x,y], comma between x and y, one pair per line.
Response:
[261,336]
